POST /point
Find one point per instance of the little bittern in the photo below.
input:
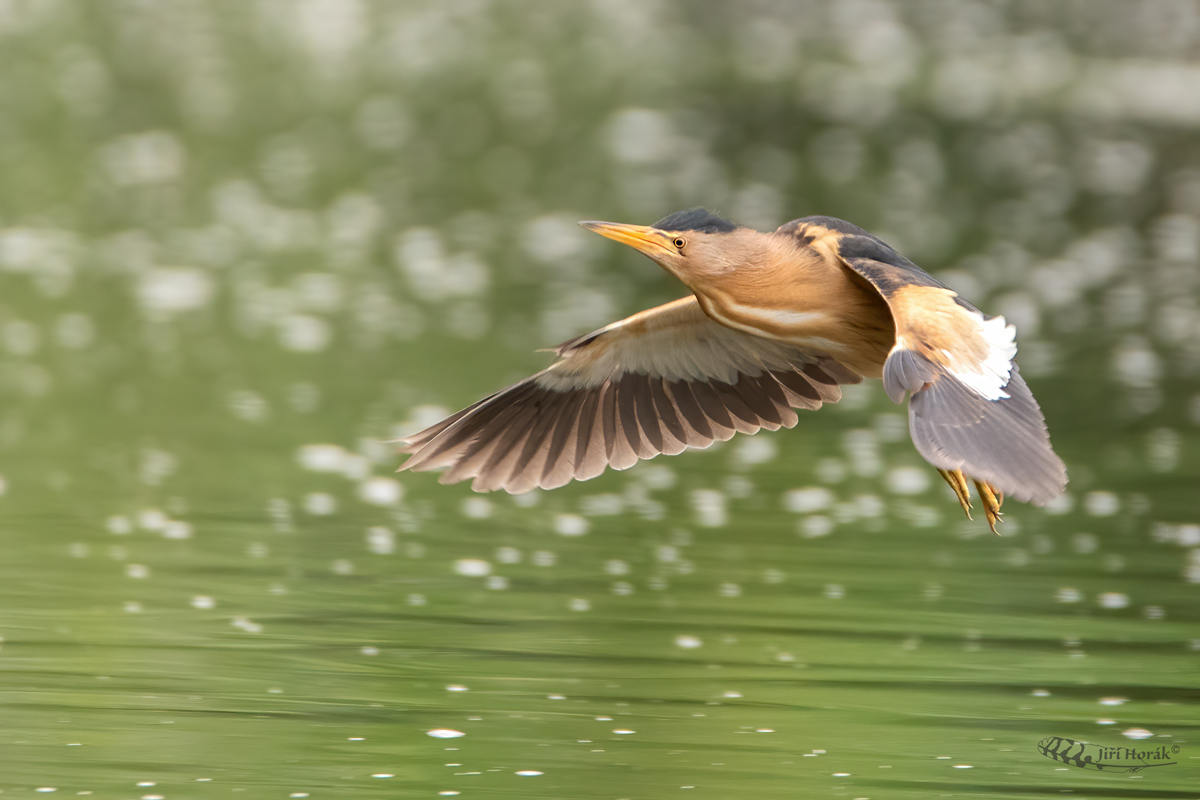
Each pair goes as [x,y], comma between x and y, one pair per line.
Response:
[775,322]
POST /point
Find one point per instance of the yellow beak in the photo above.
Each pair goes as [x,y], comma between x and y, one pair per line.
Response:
[651,241]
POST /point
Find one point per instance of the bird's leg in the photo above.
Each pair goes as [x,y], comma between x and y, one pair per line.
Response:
[992,498]
[958,482]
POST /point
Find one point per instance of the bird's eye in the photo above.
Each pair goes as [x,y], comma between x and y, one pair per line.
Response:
[679,242]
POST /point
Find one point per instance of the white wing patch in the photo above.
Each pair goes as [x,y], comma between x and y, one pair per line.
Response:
[989,377]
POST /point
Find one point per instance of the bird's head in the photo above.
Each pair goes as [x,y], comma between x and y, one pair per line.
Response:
[695,245]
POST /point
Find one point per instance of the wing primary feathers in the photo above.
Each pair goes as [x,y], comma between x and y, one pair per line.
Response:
[828,377]
[770,395]
[627,409]
[765,397]
[627,440]
[560,450]
[691,414]
[610,426]
[816,376]
[744,418]
[493,468]
[486,434]
[801,392]
[527,470]
[713,406]
[647,417]
[780,398]
[413,443]
[467,427]
[586,450]
[755,396]
[494,471]
[674,433]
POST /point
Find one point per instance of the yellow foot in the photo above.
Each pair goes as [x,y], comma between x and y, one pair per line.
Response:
[958,483]
[992,499]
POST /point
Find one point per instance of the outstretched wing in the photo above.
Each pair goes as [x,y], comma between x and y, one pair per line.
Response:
[658,382]
[969,407]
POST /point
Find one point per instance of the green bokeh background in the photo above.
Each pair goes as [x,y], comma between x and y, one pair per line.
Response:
[233,230]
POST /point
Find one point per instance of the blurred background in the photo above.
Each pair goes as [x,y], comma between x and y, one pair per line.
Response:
[243,244]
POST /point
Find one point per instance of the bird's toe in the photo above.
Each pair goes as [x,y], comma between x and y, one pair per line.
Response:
[991,498]
[958,482]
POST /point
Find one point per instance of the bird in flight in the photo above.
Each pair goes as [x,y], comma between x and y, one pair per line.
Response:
[775,322]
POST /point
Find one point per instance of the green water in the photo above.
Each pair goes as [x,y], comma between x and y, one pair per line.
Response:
[244,245]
